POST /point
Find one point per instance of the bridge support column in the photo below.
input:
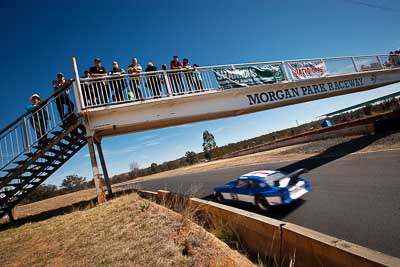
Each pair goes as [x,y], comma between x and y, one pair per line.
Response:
[104,168]
[101,197]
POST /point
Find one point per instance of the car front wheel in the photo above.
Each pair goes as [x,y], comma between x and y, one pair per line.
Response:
[219,197]
[262,204]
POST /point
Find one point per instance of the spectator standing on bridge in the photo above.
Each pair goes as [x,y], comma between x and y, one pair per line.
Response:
[198,80]
[98,71]
[392,59]
[153,80]
[39,119]
[117,82]
[134,70]
[397,58]
[176,78]
[188,75]
[62,99]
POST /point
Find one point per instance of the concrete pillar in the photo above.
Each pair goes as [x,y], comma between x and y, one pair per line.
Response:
[101,197]
[104,168]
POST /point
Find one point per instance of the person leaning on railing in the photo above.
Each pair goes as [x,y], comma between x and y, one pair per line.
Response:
[62,99]
[188,75]
[117,82]
[134,81]
[39,119]
[175,77]
[153,80]
[198,80]
[95,72]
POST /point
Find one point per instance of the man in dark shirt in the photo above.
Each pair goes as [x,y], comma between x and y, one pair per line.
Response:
[153,80]
[97,70]
[175,77]
[99,86]
[62,99]
[117,82]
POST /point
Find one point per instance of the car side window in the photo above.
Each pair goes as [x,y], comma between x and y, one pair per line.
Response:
[242,184]
[262,185]
[253,184]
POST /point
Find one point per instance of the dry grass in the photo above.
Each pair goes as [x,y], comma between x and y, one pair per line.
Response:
[128,231]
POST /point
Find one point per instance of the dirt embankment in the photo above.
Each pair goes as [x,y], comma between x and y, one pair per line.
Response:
[127,231]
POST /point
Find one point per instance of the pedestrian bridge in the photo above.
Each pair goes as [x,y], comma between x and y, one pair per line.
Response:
[115,105]
[130,103]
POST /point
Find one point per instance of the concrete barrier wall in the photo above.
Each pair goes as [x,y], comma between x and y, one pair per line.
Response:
[260,235]
[311,248]
[280,242]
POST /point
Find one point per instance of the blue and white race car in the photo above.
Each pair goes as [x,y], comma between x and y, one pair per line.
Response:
[264,188]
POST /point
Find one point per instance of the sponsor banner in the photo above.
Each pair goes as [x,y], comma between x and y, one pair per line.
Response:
[244,76]
[307,69]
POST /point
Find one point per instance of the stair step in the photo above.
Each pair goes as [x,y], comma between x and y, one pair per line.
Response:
[49,157]
[63,145]
[20,162]
[11,170]
[45,164]
[57,133]
[55,151]
[29,154]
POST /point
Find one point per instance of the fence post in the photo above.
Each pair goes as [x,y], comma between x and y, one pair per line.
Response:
[380,62]
[167,84]
[77,88]
[25,130]
[285,72]
[354,64]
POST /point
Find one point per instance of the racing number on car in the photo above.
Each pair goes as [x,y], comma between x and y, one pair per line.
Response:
[234,196]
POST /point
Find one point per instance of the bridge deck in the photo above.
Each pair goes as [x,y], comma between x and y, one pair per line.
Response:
[130,103]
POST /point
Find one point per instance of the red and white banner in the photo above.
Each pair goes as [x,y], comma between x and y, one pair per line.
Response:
[307,69]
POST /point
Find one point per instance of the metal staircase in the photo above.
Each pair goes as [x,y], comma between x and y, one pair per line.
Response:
[28,155]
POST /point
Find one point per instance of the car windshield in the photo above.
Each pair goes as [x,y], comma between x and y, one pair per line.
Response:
[272,178]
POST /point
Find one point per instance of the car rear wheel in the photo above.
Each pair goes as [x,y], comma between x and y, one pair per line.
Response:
[219,197]
[262,204]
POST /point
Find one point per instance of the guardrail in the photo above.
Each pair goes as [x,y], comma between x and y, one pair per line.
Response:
[97,92]
[32,128]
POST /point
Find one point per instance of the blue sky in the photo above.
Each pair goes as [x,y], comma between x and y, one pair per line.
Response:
[40,37]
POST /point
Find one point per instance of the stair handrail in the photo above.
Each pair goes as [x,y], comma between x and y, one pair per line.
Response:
[21,135]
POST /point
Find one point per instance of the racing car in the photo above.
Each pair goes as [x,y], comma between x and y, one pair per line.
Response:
[264,189]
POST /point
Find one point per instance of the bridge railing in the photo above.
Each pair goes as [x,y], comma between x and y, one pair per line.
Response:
[98,92]
[32,128]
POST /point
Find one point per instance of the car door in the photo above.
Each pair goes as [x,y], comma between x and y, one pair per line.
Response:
[241,192]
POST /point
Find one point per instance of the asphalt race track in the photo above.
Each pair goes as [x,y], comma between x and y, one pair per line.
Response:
[356,197]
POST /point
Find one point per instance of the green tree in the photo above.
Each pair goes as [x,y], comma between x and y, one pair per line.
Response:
[154,167]
[134,167]
[191,157]
[74,183]
[42,192]
[208,144]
